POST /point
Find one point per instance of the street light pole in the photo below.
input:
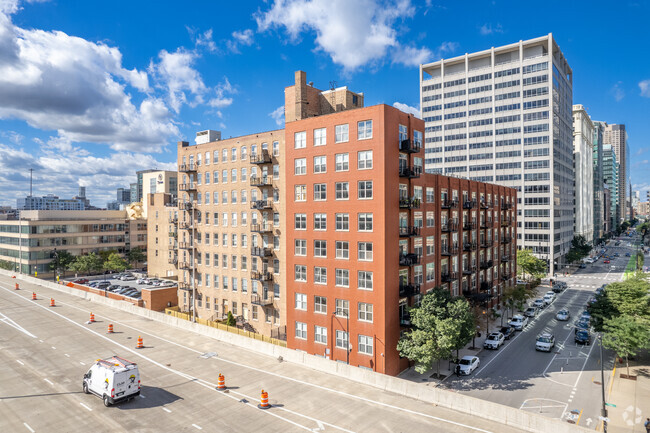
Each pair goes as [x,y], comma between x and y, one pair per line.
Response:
[602,383]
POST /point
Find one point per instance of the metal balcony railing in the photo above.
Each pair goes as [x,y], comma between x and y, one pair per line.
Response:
[409,146]
[408,231]
[187,168]
[409,259]
[261,158]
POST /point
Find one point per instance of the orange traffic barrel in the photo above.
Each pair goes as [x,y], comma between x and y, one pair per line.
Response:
[110,328]
[52,302]
[17,286]
[92,318]
[140,344]
[264,401]
[33,296]
[221,382]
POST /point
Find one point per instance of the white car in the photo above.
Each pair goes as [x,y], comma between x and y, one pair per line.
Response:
[550,293]
[539,303]
[545,342]
[563,315]
[113,380]
[548,299]
[468,364]
[518,322]
[494,340]
[521,282]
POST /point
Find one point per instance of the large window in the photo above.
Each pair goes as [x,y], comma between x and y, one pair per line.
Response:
[342,308]
[300,193]
[301,301]
[300,273]
[342,133]
[364,129]
[320,275]
[342,162]
[342,340]
[320,248]
[320,164]
[342,278]
[300,166]
[320,334]
[365,222]
[300,140]
[320,221]
[365,189]
[342,190]
[300,221]
[364,280]
[342,250]
[301,330]
[320,137]
[300,247]
[365,344]
[365,312]
[342,222]
[364,159]
[320,304]
[320,191]
[365,251]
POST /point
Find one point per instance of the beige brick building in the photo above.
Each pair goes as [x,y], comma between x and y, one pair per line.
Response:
[230,228]
[162,238]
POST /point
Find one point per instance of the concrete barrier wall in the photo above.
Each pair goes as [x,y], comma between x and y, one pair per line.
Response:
[526,421]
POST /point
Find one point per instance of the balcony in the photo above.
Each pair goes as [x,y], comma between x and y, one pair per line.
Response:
[408,289]
[186,245]
[410,172]
[409,203]
[505,277]
[448,277]
[173,234]
[469,225]
[485,205]
[486,244]
[261,252]
[449,227]
[187,186]
[505,258]
[409,259]
[506,239]
[261,181]
[405,319]
[262,158]
[505,222]
[185,205]
[485,286]
[449,204]
[262,228]
[261,276]
[184,286]
[506,206]
[187,168]
[486,264]
[185,225]
[409,146]
[261,204]
[173,219]
[486,224]
[449,251]
[408,231]
[172,261]
[184,265]
[469,270]
[469,204]
[469,246]
[257,299]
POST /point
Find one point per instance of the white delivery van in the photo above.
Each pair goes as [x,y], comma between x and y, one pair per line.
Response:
[114,380]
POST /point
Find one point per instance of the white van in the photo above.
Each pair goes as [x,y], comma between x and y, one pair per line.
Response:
[114,380]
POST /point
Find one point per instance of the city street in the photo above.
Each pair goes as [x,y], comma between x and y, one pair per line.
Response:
[565,383]
[46,350]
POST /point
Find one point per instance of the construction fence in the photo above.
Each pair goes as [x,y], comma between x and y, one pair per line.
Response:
[175,312]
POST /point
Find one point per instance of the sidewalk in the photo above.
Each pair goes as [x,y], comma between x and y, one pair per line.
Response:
[631,397]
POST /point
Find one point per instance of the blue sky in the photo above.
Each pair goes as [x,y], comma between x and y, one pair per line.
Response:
[91,91]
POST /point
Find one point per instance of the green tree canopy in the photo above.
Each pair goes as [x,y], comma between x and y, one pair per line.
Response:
[625,298]
[528,264]
[62,261]
[230,320]
[6,265]
[87,263]
[579,249]
[625,335]
[116,263]
[135,256]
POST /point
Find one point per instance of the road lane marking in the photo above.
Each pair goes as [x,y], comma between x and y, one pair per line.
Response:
[166,410]
[10,322]
[28,427]
[67,356]
[213,386]
[82,363]
[48,381]
[41,341]
[86,406]
[142,396]
[196,427]
[20,362]
[53,347]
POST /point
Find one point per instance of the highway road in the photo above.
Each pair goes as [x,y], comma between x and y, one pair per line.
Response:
[565,383]
[45,351]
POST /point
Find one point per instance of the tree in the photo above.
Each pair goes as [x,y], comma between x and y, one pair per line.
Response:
[135,256]
[230,320]
[625,335]
[527,263]
[6,265]
[61,262]
[116,263]
[104,254]
[517,296]
[86,264]
[579,249]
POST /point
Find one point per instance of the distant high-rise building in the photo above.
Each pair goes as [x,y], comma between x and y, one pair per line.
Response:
[616,136]
[504,115]
[82,191]
[599,203]
[610,175]
[607,209]
[140,182]
[49,202]
[583,163]
[161,181]
[123,196]
[134,192]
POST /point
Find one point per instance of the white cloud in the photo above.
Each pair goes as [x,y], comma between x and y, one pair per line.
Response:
[412,56]
[220,100]
[644,86]
[175,72]
[408,109]
[617,91]
[352,33]
[488,29]
[278,115]
[55,81]
[205,40]
[243,38]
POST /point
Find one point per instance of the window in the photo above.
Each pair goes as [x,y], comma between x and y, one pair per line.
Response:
[430,245]
[301,301]
[276,148]
[365,189]
[365,251]
[224,155]
[300,193]
[233,175]
[300,166]
[364,280]
[365,344]
[242,153]
[320,275]
[342,340]
[431,272]
[233,154]
[320,334]
[431,196]
[300,248]
[320,221]
[320,192]
[300,140]
[300,273]
[342,133]
[301,330]
[300,221]
[342,162]
[342,250]
[431,220]
[320,248]
[364,129]
[320,164]
[224,176]
[320,137]
[343,307]
[320,304]
[365,222]
[342,278]
[364,159]
[342,190]
[342,222]
[365,312]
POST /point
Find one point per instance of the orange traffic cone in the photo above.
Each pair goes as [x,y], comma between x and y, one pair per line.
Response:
[17,286]
[92,318]
[52,302]
[33,296]
[110,328]
[264,401]
[221,382]
[140,344]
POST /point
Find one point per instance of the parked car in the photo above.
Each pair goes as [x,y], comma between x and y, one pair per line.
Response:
[548,299]
[136,296]
[468,364]
[124,290]
[539,303]
[563,315]
[494,340]
[518,322]
[606,261]
[545,342]
[128,278]
[81,281]
[521,281]
[531,312]
[507,331]
[585,315]
[132,293]
[581,324]
[627,254]
[583,337]
[141,280]
[113,287]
